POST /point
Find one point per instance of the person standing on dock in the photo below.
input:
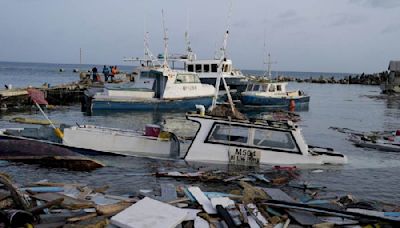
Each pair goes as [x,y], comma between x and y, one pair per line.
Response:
[94,72]
[106,73]
[114,71]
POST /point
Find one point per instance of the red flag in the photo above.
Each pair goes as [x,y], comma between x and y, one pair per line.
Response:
[37,96]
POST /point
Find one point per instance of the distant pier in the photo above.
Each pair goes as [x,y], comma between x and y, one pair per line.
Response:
[64,94]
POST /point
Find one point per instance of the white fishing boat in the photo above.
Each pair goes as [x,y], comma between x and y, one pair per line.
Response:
[156,87]
[95,140]
[225,140]
[207,69]
[155,90]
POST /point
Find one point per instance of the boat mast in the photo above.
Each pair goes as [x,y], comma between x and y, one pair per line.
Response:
[220,70]
[165,64]
[268,62]
[148,55]
[190,55]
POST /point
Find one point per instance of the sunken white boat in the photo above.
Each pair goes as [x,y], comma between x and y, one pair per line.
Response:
[96,140]
[225,140]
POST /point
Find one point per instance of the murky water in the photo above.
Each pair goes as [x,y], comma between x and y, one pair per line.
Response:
[370,174]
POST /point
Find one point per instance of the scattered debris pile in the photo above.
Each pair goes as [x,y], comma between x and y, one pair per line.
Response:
[224,110]
[281,115]
[272,199]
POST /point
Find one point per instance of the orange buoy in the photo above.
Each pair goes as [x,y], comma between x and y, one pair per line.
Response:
[292,105]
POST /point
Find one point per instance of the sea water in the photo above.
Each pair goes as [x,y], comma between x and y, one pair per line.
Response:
[370,174]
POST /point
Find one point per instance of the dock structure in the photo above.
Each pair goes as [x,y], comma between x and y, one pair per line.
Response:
[64,94]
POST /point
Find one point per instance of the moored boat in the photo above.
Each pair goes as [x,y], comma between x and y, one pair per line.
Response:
[155,90]
[232,141]
[208,72]
[265,93]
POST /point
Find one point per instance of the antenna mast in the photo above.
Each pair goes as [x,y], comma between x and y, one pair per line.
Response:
[267,61]
[165,64]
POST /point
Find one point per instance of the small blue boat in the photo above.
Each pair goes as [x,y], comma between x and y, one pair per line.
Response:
[272,94]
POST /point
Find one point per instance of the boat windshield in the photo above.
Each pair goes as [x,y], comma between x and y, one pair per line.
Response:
[274,139]
[187,78]
[229,134]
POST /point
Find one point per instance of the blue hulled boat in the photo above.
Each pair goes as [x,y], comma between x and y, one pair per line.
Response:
[272,94]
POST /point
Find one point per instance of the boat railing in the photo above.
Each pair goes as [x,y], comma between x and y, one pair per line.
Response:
[107,129]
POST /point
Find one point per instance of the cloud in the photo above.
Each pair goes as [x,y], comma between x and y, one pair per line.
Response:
[288,14]
[346,19]
[391,29]
[289,18]
[386,4]
[241,23]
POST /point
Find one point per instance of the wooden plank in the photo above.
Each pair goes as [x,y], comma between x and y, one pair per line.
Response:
[202,200]
[277,194]
[303,217]
[68,202]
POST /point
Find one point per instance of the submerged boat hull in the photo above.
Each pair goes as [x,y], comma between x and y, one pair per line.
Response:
[182,104]
[228,141]
[273,101]
[120,142]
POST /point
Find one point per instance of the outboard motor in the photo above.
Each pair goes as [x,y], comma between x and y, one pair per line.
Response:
[175,146]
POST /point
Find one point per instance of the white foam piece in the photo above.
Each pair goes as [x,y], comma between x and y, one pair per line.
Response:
[223,201]
[149,213]
[201,223]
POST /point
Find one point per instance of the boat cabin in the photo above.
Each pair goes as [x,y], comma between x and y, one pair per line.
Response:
[222,140]
[266,87]
[207,66]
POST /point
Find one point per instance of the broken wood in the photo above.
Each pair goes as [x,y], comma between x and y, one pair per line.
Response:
[39,209]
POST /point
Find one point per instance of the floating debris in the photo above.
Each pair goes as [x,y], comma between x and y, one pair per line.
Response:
[255,204]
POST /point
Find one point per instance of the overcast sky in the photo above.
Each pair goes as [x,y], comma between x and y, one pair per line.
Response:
[306,35]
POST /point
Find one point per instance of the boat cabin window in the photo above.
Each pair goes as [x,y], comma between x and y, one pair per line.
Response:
[278,87]
[264,88]
[190,67]
[256,87]
[226,68]
[198,68]
[206,68]
[214,67]
[228,134]
[249,87]
[187,78]
[274,139]
[271,88]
